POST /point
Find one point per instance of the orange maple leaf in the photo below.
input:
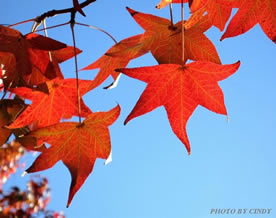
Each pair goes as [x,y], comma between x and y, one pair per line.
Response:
[47,109]
[77,145]
[118,56]
[164,41]
[218,11]
[249,14]
[180,90]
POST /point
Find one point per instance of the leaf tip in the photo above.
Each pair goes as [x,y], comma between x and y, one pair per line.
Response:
[238,63]
[70,198]
[125,122]
[132,12]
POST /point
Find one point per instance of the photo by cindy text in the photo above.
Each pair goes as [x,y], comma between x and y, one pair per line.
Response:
[248,211]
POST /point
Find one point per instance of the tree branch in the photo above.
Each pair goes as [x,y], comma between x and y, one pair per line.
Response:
[62,11]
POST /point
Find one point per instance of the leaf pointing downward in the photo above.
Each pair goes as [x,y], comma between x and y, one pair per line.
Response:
[77,145]
[180,90]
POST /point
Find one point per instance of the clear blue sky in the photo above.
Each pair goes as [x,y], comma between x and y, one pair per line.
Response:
[232,164]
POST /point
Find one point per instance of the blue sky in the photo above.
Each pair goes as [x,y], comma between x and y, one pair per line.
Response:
[232,164]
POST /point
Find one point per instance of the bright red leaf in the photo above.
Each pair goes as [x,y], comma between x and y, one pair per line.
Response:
[180,90]
[62,102]
[249,14]
[77,145]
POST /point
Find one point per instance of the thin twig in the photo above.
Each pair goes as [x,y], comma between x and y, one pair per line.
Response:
[96,28]
[171,15]
[62,11]
[24,21]
[46,34]
[72,24]
[182,32]
[51,27]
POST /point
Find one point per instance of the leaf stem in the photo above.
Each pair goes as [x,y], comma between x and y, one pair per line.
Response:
[24,21]
[182,33]
[46,34]
[72,24]
[171,15]
[96,28]
[51,27]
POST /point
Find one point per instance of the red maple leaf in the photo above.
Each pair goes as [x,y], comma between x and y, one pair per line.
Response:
[249,14]
[218,11]
[164,41]
[180,90]
[28,61]
[55,58]
[77,145]
[47,109]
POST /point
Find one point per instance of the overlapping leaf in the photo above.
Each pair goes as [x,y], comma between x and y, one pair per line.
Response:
[77,145]
[180,90]
[249,14]
[47,109]
[56,57]
[218,11]
[164,41]
[26,58]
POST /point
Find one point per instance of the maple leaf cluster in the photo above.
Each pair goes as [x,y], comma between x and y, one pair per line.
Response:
[187,75]
[22,203]
[29,202]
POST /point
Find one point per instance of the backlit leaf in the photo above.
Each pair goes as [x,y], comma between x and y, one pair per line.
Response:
[77,145]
